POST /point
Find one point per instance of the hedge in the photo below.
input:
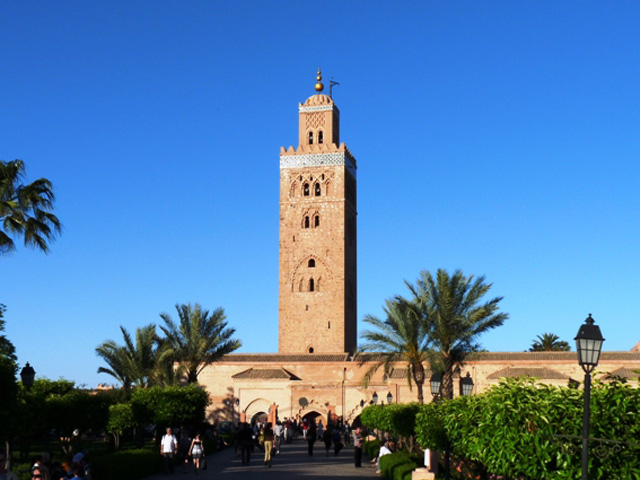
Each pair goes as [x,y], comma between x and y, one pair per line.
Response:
[399,465]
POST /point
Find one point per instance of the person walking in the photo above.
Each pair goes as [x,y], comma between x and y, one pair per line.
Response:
[337,441]
[197,452]
[327,437]
[312,435]
[357,447]
[245,442]
[184,446]
[278,432]
[168,448]
[268,444]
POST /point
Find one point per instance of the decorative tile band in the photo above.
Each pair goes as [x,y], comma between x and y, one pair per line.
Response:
[315,108]
[318,160]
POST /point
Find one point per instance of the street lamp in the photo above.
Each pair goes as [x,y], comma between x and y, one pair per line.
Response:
[375,398]
[466,385]
[27,375]
[436,383]
[389,398]
[589,345]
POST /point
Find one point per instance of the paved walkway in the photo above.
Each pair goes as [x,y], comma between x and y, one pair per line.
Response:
[292,462]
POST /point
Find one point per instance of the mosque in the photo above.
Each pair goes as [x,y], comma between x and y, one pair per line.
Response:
[316,372]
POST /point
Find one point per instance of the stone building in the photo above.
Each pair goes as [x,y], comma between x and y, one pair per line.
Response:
[315,372]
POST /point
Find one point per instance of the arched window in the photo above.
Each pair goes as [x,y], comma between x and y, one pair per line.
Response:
[320,136]
[311,285]
[317,189]
[306,221]
[310,138]
[310,349]
[316,221]
[312,263]
[306,190]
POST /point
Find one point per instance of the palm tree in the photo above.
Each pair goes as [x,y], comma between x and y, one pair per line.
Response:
[401,338]
[549,342]
[24,209]
[454,318]
[200,338]
[134,363]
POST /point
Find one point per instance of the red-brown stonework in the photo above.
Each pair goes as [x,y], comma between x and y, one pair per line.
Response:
[317,310]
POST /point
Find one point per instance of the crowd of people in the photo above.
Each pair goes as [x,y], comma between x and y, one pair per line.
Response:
[75,467]
[185,450]
[269,438]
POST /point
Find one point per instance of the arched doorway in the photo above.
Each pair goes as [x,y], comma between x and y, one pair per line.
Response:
[261,417]
[313,415]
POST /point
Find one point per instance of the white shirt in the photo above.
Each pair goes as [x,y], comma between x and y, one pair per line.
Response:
[169,444]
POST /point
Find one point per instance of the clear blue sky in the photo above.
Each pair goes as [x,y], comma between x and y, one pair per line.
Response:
[501,138]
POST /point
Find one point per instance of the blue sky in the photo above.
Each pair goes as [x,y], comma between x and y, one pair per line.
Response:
[501,138]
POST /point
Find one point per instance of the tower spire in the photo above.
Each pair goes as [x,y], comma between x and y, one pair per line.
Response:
[319,86]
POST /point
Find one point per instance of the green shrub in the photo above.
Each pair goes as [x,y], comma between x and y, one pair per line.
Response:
[127,464]
[371,448]
[399,465]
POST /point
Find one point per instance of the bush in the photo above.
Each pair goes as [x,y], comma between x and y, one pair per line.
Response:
[127,464]
[399,465]
[521,429]
[371,448]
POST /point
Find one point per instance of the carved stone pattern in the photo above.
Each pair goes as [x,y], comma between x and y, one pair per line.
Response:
[317,108]
[315,120]
[316,160]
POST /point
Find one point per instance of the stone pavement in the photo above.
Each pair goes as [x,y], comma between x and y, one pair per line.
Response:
[292,462]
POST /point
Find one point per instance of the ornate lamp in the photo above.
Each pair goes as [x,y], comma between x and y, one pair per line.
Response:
[389,398]
[589,345]
[466,385]
[27,375]
[375,398]
[436,383]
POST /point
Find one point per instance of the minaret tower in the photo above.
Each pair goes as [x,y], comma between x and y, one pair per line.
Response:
[318,235]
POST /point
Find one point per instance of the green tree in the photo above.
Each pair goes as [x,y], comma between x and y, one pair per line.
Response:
[134,363]
[8,386]
[549,342]
[25,209]
[401,338]
[454,317]
[199,339]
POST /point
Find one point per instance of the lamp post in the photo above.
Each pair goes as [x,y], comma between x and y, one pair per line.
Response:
[589,345]
[466,385]
[27,375]
[389,398]
[436,382]
[436,386]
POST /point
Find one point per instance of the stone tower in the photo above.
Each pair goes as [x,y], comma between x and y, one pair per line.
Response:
[318,235]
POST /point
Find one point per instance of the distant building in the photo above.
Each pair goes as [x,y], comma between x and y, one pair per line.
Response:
[315,373]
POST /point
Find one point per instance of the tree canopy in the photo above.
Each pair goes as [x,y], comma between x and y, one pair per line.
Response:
[25,210]
[549,342]
[455,316]
[200,338]
[401,338]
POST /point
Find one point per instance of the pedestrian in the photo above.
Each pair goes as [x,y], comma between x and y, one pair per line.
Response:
[184,445]
[168,448]
[327,437]
[268,444]
[245,441]
[278,432]
[357,447]
[197,452]
[312,435]
[346,433]
[337,441]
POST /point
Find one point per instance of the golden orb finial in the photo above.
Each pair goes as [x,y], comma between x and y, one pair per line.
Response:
[319,85]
